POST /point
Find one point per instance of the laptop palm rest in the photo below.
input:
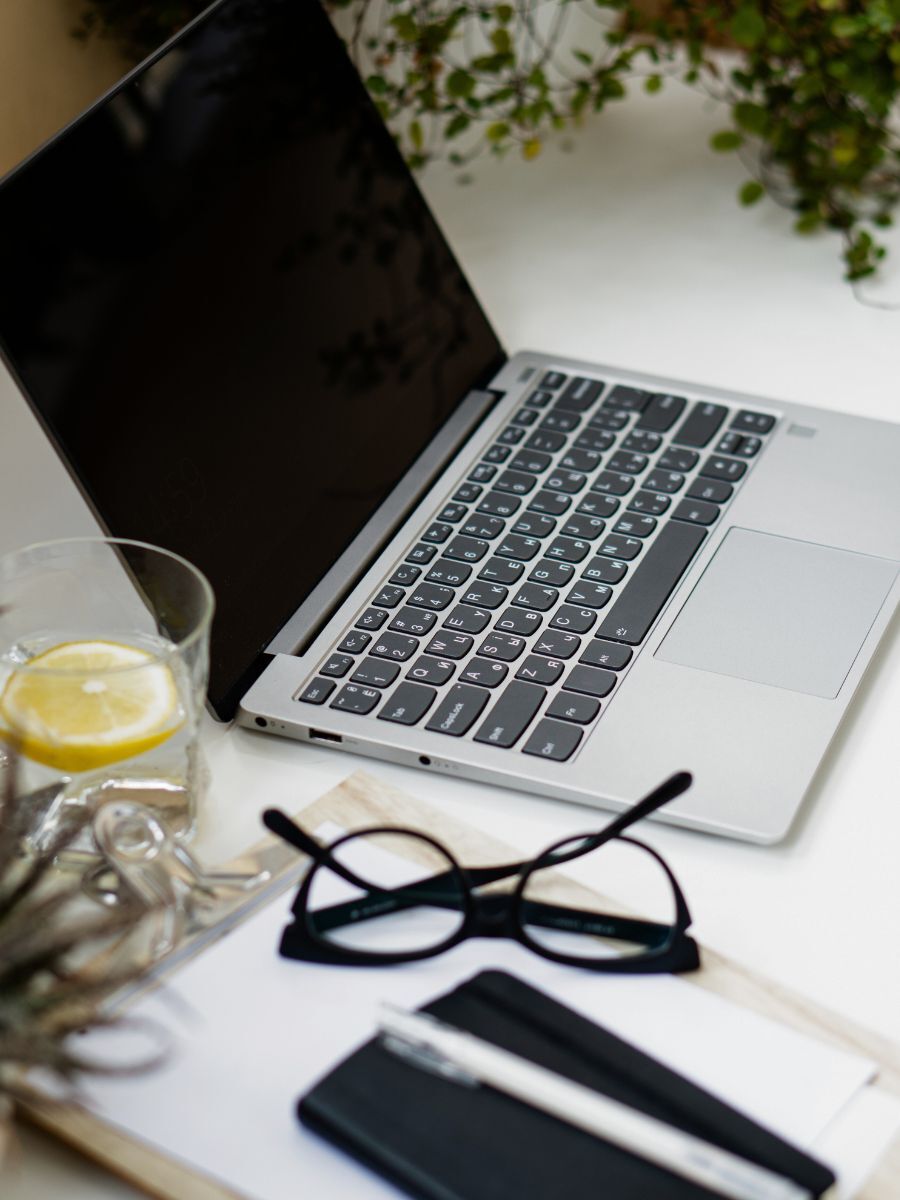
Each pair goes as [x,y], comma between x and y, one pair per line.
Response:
[779,611]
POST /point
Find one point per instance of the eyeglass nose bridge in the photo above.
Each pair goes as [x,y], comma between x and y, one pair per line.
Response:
[492,915]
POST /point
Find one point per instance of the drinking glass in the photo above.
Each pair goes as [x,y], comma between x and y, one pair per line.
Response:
[104,657]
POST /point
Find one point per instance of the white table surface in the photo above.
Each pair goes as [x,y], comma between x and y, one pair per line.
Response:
[629,250]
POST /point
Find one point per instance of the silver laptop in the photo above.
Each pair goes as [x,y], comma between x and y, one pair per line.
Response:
[226,300]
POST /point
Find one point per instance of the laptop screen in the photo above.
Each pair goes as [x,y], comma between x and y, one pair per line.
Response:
[228,302]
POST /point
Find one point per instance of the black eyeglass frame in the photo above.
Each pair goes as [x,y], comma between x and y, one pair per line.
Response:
[497,914]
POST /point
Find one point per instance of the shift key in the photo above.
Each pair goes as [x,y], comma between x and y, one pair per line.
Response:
[511,714]
[461,707]
[653,582]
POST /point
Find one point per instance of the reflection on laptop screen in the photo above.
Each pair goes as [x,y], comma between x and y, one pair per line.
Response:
[232,309]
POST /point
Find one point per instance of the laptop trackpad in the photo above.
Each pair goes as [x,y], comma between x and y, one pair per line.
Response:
[778,611]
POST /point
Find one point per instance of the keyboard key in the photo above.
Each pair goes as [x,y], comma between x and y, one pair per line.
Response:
[497,454]
[534,595]
[355,641]
[483,473]
[575,620]
[628,462]
[569,482]
[590,595]
[395,645]
[406,573]
[664,481]
[730,470]
[519,620]
[557,644]
[467,492]
[627,399]
[553,380]
[596,505]
[539,399]
[415,621]
[545,440]
[525,417]
[485,595]
[516,546]
[372,618]
[445,570]
[517,482]
[592,441]
[438,532]
[511,715]
[534,525]
[501,570]
[466,619]
[677,459]
[642,440]
[552,739]
[560,421]
[532,461]
[466,549]
[499,504]
[700,425]
[431,670]
[652,583]
[552,503]
[635,526]
[484,673]
[616,546]
[504,646]
[661,413]
[569,706]
[728,443]
[431,595]
[555,574]
[612,483]
[580,460]
[355,698]
[571,550]
[450,645]
[752,422]
[376,673]
[749,447]
[592,681]
[422,553]
[608,420]
[611,655]
[604,570]
[479,526]
[580,395]
[579,526]
[649,502]
[697,511]
[317,690]
[459,710]
[512,435]
[409,703]
[389,597]
[535,669]
[713,490]
[452,513]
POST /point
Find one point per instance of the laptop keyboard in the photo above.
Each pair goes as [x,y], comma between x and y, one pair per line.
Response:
[515,616]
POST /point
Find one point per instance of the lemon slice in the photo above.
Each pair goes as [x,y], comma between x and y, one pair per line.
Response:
[82,705]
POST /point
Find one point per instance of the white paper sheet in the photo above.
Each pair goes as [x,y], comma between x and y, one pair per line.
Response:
[264,1029]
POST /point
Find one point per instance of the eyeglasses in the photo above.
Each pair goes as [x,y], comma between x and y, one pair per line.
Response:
[391,895]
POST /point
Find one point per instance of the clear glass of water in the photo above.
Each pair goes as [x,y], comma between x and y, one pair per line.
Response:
[104,658]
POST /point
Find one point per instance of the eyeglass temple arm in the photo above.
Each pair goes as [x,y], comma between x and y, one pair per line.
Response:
[281,825]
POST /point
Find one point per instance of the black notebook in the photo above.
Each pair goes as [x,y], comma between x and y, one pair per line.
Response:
[443,1141]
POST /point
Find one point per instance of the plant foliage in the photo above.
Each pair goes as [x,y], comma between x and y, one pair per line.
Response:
[810,86]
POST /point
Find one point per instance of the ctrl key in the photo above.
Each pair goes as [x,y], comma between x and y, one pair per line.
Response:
[408,703]
[553,740]
[356,699]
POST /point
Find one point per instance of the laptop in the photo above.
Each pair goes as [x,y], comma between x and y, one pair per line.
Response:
[227,303]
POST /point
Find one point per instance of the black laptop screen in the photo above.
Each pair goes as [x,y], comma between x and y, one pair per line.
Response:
[227,300]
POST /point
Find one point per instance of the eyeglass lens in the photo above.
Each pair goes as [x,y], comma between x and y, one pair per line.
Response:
[406,895]
[585,923]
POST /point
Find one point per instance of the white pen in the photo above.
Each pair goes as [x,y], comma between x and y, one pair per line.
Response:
[464,1058]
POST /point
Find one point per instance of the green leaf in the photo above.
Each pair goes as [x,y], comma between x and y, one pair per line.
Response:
[405,27]
[460,84]
[416,136]
[747,26]
[752,117]
[497,131]
[377,85]
[726,139]
[653,83]
[501,41]
[583,57]
[504,13]
[809,222]
[531,149]
[751,192]
[457,125]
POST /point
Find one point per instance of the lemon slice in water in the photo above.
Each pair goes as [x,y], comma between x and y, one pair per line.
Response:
[82,705]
